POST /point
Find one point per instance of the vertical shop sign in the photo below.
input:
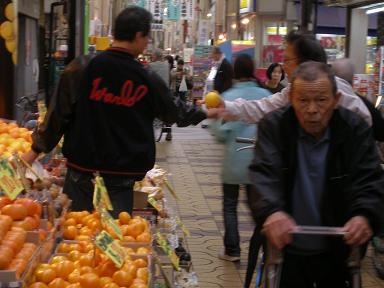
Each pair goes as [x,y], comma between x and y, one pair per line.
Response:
[8,55]
[187,11]
[173,10]
[203,32]
[156,9]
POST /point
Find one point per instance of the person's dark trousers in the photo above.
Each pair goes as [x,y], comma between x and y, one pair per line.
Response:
[231,235]
[183,96]
[326,270]
[79,187]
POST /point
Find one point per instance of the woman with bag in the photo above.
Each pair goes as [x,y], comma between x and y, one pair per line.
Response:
[179,78]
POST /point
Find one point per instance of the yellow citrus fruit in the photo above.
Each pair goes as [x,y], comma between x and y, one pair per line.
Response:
[6,30]
[9,12]
[212,99]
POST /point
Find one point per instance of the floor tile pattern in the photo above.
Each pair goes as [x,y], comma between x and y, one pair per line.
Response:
[194,160]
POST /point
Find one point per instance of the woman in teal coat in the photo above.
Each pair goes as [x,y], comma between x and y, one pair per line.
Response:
[235,165]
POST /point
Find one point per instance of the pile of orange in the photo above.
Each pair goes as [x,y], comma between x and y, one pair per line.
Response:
[90,271]
[14,251]
[23,212]
[82,225]
[13,139]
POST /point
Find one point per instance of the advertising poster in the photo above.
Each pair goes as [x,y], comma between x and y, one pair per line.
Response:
[187,9]
[173,10]
[8,55]
[271,54]
[203,35]
[156,8]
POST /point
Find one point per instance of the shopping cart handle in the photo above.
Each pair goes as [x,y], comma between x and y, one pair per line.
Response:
[245,140]
[318,230]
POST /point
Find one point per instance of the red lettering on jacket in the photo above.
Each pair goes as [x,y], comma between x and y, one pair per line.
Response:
[128,97]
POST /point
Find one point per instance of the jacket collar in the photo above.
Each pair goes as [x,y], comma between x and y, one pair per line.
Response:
[120,49]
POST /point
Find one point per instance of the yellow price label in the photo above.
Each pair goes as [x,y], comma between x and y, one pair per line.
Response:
[108,220]
[182,226]
[10,183]
[163,243]
[155,204]
[111,248]
[100,195]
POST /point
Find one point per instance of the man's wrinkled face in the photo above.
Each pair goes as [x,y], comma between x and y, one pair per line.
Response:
[313,102]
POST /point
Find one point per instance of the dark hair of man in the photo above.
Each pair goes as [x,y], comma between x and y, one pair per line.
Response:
[216,50]
[180,62]
[243,67]
[306,46]
[272,67]
[311,71]
[130,21]
[170,61]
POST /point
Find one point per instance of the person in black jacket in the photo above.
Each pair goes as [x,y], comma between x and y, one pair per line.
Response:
[224,74]
[344,69]
[316,165]
[105,107]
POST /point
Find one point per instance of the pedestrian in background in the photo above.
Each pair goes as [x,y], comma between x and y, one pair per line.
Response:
[159,66]
[224,72]
[235,165]
[275,74]
[179,76]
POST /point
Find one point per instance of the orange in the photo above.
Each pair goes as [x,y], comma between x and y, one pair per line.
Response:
[122,278]
[144,237]
[111,285]
[124,217]
[74,255]
[86,260]
[58,283]
[38,285]
[46,275]
[107,269]
[85,231]
[140,263]
[105,280]
[29,204]
[143,250]
[83,238]
[64,248]
[70,233]
[129,238]
[142,273]
[135,229]
[58,259]
[69,222]
[89,280]
[74,277]
[15,211]
[86,269]
[138,285]
[64,268]
[74,285]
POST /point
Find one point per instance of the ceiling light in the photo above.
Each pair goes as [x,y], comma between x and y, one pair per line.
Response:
[245,21]
[375,10]
[209,15]
[233,26]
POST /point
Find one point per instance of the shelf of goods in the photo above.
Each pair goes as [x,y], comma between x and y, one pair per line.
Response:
[43,244]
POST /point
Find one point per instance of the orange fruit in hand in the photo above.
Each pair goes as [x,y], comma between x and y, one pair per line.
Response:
[122,278]
[89,280]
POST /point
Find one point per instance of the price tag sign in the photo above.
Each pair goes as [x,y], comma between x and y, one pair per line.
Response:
[163,243]
[9,181]
[111,248]
[154,204]
[108,221]
[182,226]
[100,195]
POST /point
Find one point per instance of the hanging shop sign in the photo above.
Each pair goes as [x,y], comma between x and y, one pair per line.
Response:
[141,3]
[173,9]
[156,8]
[187,9]
[203,32]
[246,6]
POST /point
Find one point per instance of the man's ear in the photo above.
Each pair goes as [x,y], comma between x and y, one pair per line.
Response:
[290,94]
[337,97]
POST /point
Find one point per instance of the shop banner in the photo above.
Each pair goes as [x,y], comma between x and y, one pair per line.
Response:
[187,9]
[140,3]
[173,10]
[246,6]
[8,55]
[156,8]
[203,32]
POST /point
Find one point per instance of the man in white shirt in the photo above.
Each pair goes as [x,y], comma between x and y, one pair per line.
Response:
[300,48]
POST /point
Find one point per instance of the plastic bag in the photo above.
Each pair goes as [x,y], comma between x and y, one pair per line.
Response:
[183,85]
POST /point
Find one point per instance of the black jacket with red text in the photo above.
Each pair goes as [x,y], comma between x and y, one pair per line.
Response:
[105,107]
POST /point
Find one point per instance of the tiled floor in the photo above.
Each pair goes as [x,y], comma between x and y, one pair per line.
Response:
[194,160]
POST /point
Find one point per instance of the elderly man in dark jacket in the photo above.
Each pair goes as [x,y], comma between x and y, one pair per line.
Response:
[316,165]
